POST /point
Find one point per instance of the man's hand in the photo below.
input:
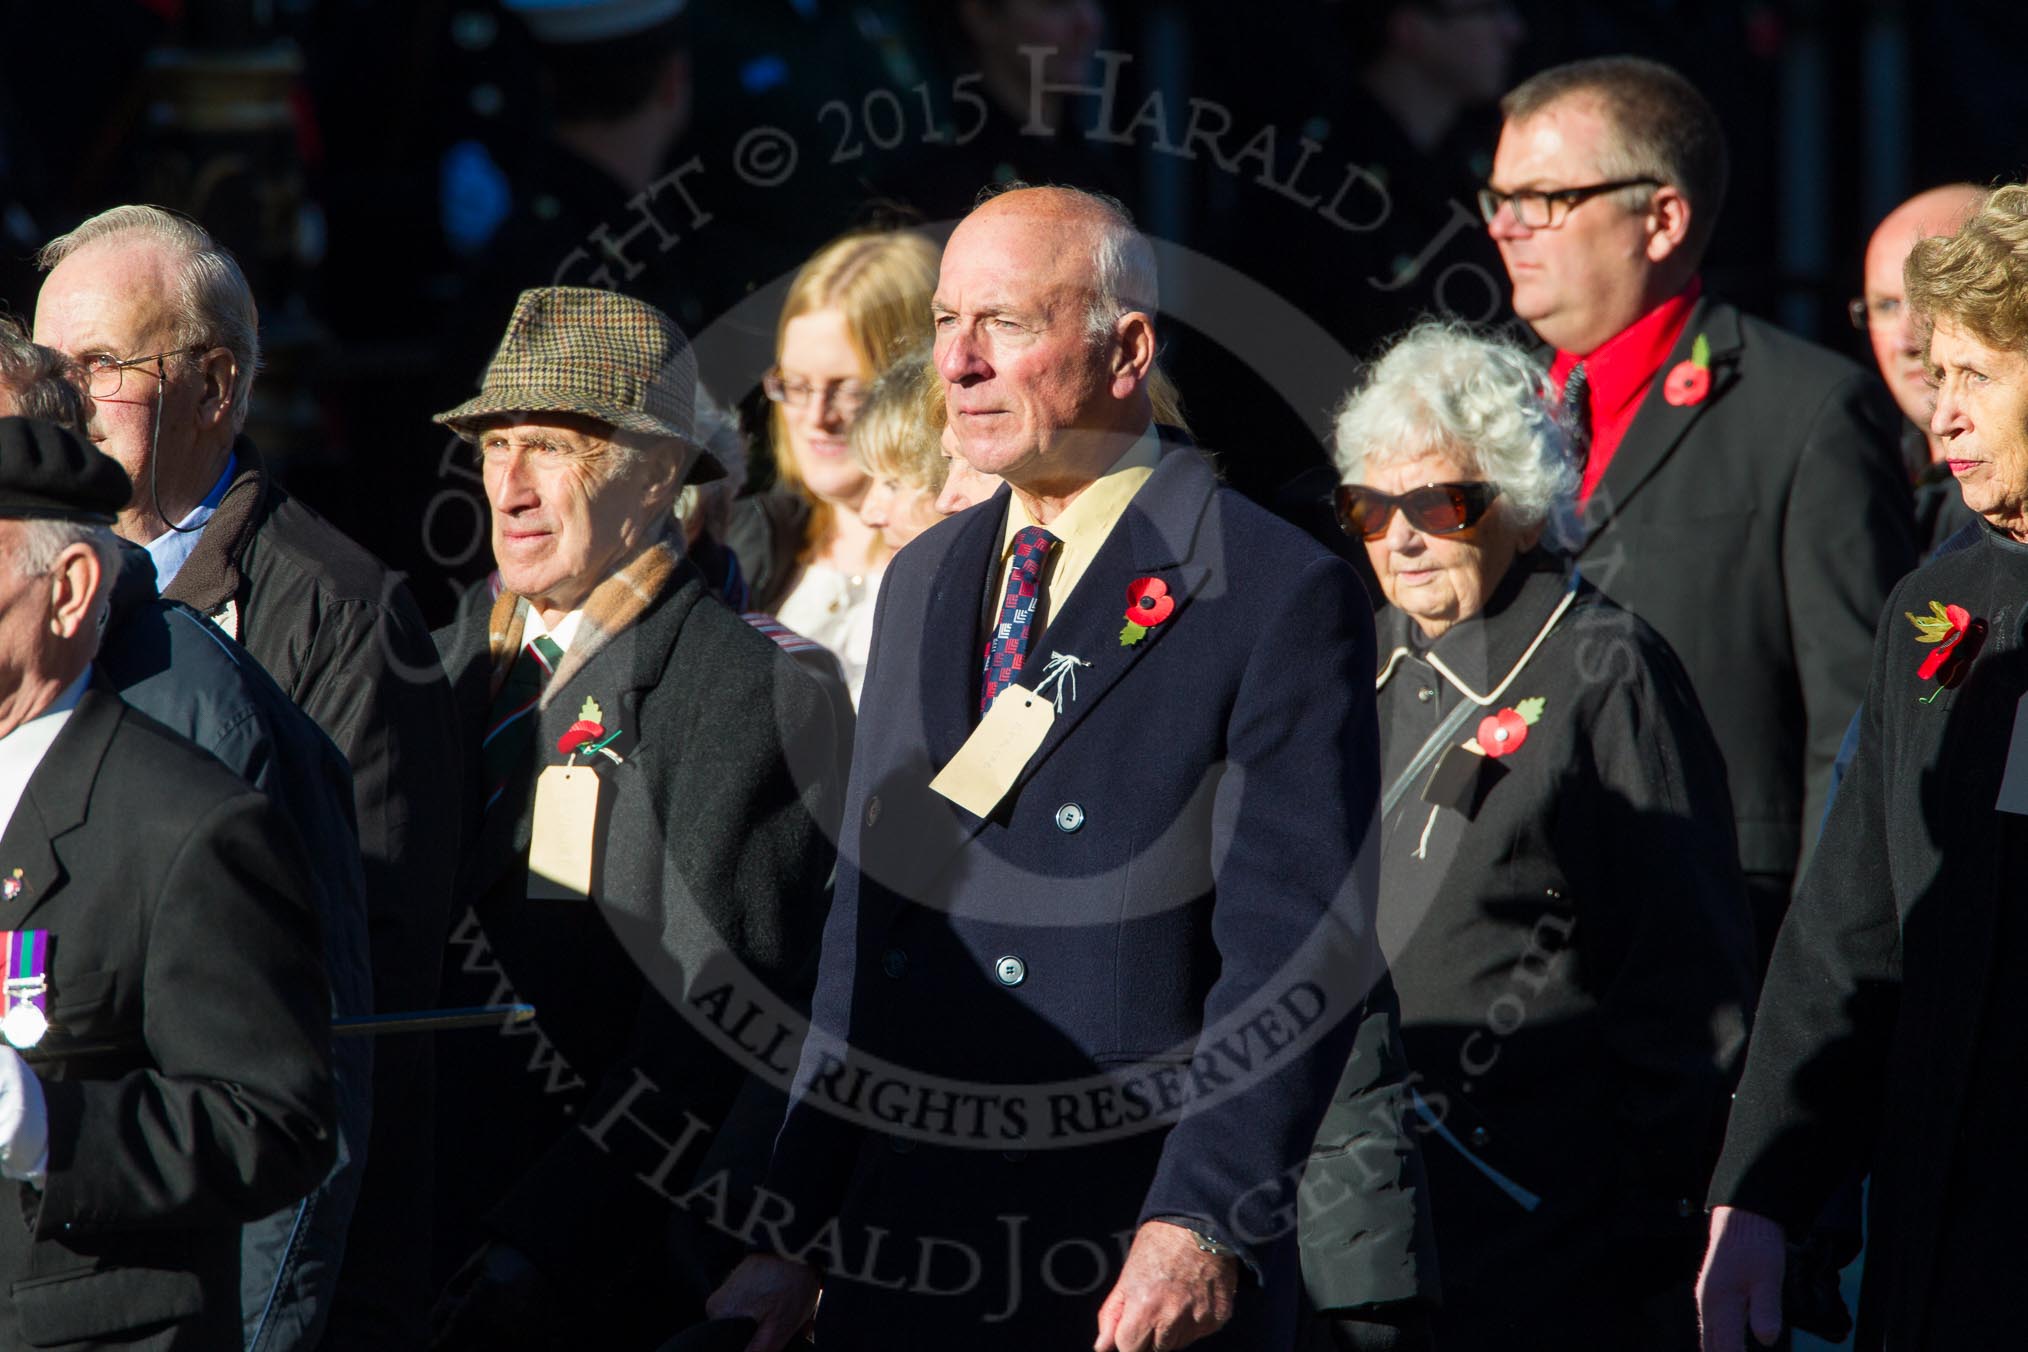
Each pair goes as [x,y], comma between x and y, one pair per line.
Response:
[1170,1293]
[778,1295]
[1742,1280]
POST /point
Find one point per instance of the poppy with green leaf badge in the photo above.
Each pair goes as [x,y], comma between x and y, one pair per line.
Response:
[1689,381]
[1957,636]
[1502,734]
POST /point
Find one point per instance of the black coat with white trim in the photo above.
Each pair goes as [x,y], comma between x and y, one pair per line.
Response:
[1574,957]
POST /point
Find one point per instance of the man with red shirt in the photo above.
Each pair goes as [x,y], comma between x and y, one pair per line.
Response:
[1742,490]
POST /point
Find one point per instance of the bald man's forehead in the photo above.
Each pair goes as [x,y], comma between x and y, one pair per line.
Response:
[1012,255]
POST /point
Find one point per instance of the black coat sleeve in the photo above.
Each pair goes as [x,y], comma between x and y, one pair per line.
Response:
[1847,537]
[1664,920]
[1808,1105]
[237,1118]
[373,683]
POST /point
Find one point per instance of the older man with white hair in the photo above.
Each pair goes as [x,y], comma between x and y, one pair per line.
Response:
[1102,935]
[164,325]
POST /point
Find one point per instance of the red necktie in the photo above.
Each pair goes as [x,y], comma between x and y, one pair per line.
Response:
[1007,649]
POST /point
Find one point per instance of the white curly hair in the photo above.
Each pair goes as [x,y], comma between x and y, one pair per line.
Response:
[1479,398]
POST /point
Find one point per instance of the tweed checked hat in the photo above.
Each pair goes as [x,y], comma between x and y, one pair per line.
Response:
[599,354]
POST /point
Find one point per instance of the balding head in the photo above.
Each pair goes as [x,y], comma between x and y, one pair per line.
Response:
[1045,336]
[1896,340]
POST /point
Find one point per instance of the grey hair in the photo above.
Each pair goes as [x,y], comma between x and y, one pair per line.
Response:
[39,378]
[1123,262]
[1480,399]
[42,538]
[213,305]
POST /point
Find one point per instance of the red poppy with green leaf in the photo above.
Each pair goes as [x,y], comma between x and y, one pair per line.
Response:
[1689,381]
[1956,636]
[1502,733]
[1148,604]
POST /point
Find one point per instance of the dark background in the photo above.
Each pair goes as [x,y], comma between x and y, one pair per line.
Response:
[318,139]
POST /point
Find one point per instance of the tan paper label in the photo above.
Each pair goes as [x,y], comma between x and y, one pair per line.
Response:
[566,825]
[994,756]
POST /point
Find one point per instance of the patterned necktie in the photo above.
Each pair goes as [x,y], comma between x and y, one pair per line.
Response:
[1577,408]
[1007,649]
[510,726]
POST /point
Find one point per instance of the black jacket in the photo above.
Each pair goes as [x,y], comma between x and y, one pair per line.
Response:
[1571,943]
[174,665]
[1892,1029]
[1759,531]
[187,975]
[717,847]
[343,639]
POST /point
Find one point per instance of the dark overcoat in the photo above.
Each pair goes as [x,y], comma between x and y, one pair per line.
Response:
[1127,992]
[1574,955]
[1759,530]
[175,666]
[717,845]
[188,976]
[342,636]
[1894,1023]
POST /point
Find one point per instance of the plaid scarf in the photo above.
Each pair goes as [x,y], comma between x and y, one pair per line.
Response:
[613,606]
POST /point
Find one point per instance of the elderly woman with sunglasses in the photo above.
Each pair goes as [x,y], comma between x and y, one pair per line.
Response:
[1560,900]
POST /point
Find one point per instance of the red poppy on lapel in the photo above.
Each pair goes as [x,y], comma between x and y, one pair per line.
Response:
[1502,733]
[1689,381]
[580,732]
[1148,604]
[1957,637]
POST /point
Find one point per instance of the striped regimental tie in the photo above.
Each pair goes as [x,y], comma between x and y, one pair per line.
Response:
[1007,649]
[510,728]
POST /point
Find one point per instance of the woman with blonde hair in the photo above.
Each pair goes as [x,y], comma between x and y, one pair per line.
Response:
[808,557]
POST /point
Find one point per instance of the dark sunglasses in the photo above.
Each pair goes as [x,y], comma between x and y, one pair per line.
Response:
[1433,509]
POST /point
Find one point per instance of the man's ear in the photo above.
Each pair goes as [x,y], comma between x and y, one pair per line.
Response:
[74,584]
[221,378]
[1133,353]
[1668,223]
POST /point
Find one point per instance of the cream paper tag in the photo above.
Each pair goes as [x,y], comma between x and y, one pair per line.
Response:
[996,753]
[566,824]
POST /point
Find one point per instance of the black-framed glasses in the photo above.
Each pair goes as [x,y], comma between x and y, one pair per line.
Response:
[104,373]
[1433,509]
[1548,208]
[1873,314]
[846,397]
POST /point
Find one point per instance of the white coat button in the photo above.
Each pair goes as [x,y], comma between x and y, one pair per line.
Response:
[1069,817]
[1011,970]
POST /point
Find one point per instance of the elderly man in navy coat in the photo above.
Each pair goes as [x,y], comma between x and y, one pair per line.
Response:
[1100,946]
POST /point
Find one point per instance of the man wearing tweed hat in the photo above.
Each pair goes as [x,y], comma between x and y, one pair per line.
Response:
[613,712]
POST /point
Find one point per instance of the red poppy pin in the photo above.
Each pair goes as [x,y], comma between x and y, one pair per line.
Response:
[1689,381]
[1148,604]
[588,735]
[1502,734]
[1956,636]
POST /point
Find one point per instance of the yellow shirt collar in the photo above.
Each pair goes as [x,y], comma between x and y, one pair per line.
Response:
[1084,525]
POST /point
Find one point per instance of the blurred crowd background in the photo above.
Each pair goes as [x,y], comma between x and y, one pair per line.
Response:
[389,173]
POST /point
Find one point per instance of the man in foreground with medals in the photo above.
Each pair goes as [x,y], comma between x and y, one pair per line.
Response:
[652,787]
[167,1076]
